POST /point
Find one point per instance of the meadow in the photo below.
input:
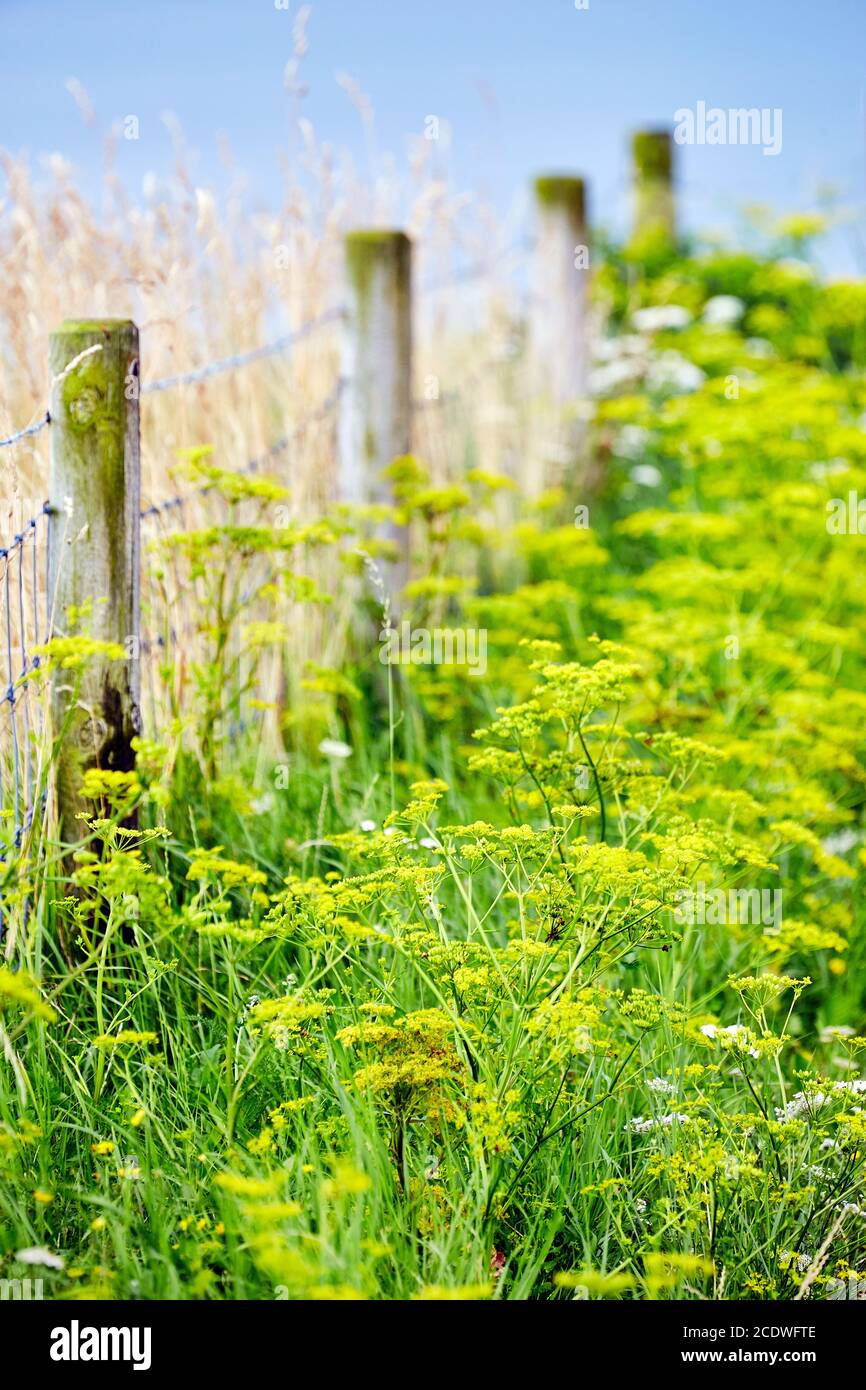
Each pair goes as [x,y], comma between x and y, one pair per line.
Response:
[541,976]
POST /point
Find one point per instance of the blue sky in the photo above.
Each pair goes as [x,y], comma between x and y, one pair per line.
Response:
[524,85]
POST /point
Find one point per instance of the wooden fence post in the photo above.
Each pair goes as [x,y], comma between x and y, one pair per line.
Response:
[654,210]
[94,552]
[375,422]
[558,331]
[558,320]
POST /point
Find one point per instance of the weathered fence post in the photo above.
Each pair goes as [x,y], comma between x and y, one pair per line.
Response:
[558,330]
[654,210]
[94,554]
[558,326]
[375,423]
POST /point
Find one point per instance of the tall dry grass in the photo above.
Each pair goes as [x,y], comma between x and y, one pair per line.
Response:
[206,275]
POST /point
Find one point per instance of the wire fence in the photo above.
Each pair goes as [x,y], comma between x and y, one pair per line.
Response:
[25,624]
[170,621]
[477,270]
[26,433]
[244,359]
[174,606]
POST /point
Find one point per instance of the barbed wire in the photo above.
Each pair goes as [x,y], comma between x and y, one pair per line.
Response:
[243,359]
[150,644]
[419,404]
[474,271]
[252,465]
[176,502]
[19,793]
[18,776]
[321,412]
[207,370]
[6,551]
[27,431]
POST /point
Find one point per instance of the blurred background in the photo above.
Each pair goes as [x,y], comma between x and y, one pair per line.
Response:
[517,88]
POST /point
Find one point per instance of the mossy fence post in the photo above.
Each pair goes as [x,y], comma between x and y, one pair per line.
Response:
[558,323]
[94,549]
[375,421]
[653,191]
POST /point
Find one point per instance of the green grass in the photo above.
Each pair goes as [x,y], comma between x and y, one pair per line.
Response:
[425,1020]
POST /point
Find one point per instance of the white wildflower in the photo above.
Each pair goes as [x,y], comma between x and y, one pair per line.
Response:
[675,373]
[335,748]
[38,1255]
[801,1104]
[130,1168]
[734,1035]
[660,316]
[640,1209]
[723,309]
[607,378]
[645,475]
[631,441]
[759,347]
[640,1125]
[661,1086]
[853,1088]
[610,349]
[840,842]
[835,1033]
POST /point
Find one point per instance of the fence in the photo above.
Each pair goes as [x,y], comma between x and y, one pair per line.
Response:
[83,545]
[25,623]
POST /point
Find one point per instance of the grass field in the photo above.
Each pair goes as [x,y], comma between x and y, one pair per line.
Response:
[539,976]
